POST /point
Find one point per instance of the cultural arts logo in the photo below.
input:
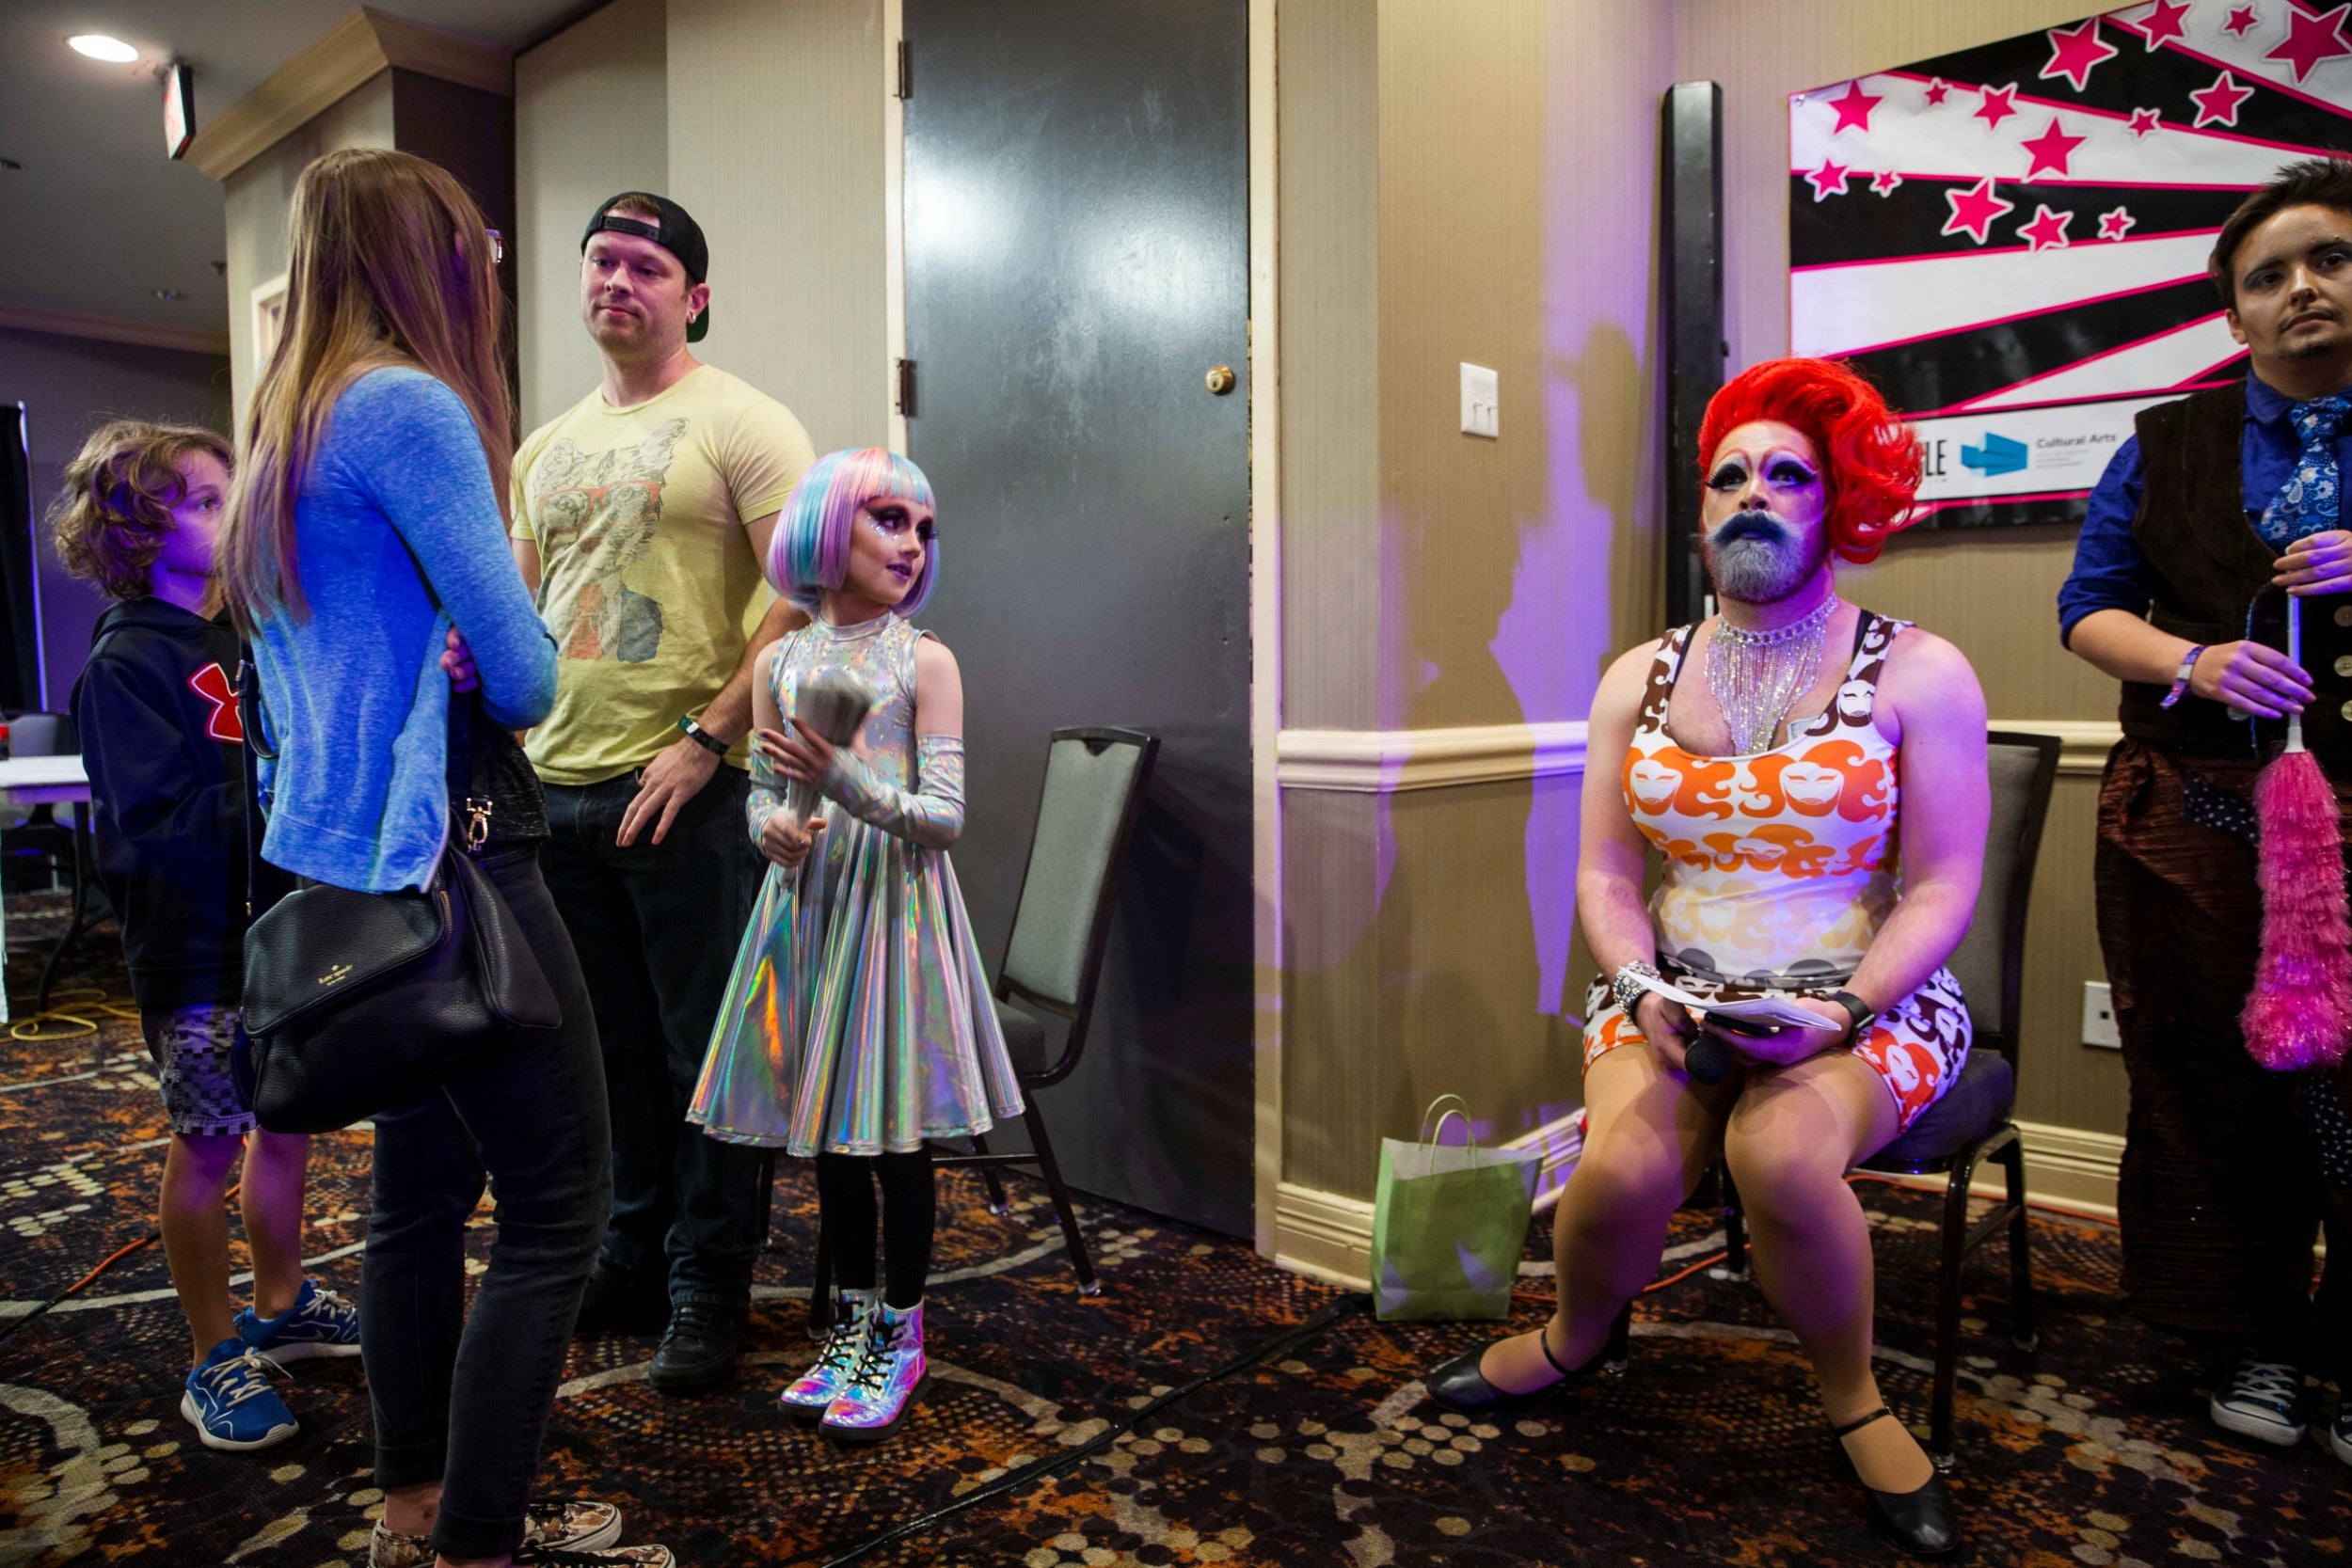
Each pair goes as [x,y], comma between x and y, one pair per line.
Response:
[604,506]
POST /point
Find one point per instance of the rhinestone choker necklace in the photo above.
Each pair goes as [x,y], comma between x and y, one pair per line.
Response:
[1757,675]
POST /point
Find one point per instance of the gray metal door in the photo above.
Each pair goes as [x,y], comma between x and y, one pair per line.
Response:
[1077,262]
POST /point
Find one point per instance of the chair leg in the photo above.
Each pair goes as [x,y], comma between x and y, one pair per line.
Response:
[821,1288]
[1735,1264]
[2021,1325]
[1088,1284]
[1948,1308]
[996,1204]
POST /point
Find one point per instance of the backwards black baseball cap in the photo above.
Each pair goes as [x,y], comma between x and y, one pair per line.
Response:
[674,231]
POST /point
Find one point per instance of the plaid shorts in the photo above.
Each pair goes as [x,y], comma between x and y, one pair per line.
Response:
[190,1046]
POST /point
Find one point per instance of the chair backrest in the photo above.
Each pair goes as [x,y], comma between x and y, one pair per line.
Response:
[35,733]
[1990,959]
[1086,814]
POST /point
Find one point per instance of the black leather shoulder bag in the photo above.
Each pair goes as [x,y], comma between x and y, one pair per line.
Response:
[359,1001]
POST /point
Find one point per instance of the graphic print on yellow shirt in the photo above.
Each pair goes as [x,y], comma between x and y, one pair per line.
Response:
[647,577]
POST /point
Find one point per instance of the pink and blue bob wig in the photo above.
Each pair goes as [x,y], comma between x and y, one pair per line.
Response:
[810,550]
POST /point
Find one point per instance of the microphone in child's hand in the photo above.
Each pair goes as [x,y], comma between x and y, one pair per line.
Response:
[832,701]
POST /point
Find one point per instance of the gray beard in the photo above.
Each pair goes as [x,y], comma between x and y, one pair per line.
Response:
[1759,571]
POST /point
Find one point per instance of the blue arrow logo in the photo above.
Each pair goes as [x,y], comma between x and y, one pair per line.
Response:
[1998,455]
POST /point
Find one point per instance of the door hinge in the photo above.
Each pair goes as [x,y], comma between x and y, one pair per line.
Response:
[906,388]
[906,71]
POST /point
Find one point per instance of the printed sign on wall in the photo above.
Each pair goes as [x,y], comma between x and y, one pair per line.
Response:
[2011,241]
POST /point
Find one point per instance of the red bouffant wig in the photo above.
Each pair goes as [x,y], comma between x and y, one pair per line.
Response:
[1870,460]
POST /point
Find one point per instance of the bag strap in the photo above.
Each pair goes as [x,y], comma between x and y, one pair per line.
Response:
[458,751]
[1461,1108]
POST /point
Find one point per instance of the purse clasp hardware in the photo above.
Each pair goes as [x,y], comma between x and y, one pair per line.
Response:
[477,823]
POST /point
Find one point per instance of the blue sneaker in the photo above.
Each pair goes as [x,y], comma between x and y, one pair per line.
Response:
[230,1403]
[320,1323]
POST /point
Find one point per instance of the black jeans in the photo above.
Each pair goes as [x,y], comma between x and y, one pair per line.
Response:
[464,1398]
[656,926]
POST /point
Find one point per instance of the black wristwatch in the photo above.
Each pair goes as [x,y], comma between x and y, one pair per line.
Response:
[700,736]
[1862,1011]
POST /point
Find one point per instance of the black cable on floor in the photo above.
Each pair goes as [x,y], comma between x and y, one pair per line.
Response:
[1312,1327]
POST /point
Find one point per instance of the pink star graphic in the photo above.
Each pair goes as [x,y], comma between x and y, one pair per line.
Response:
[2076,51]
[2115,225]
[2163,25]
[2241,22]
[2052,149]
[1828,180]
[1853,110]
[2218,104]
[2048,231]
[1997,104]
[1884,182]
[1974,210]
[2312,38]
[1937,89]
[2144,121]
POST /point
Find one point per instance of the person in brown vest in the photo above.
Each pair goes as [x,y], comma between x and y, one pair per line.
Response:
[2221,506]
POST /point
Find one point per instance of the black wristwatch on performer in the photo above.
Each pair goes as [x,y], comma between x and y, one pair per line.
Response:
[700,736]
[1862,1011]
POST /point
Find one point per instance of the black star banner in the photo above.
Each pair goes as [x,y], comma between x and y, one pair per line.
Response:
[2011,241]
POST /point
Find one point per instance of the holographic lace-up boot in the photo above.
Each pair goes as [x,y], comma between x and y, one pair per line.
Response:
[838,1362]
[887,1379]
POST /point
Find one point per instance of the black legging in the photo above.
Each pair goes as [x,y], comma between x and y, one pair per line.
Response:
[845,1207]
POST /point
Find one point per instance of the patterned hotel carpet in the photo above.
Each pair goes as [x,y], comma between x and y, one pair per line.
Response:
[1709,1450]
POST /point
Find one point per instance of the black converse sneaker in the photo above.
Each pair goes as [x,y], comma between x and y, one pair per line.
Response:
[2262,1400]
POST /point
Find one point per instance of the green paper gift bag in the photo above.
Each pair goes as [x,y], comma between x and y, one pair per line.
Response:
[1449,1225]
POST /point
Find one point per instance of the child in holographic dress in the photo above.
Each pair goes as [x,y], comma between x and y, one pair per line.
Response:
[857,1023]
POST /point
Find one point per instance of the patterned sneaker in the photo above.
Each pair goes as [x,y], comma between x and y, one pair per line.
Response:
[571,1527]
[230,1403]
[889,1377]
[320,1323]
[603,1556]
[2262,1400]
[814,1392]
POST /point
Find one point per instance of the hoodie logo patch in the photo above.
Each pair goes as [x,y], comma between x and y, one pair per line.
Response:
[212,684]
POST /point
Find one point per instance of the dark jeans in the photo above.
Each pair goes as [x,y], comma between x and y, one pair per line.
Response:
[464,1398]
[656,926]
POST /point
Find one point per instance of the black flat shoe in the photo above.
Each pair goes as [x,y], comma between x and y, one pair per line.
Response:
[1460,1386]
[1920,1522]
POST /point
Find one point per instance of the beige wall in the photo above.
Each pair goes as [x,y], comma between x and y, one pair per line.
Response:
[592,118]
[1993,593]
[259,194]
[776,147]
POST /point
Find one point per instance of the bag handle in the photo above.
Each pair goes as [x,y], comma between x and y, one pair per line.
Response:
[1430,1135]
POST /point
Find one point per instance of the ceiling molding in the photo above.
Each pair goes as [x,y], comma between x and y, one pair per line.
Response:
[363,43]
[112,329]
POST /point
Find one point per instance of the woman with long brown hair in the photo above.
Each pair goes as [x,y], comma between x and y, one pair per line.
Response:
[365,556]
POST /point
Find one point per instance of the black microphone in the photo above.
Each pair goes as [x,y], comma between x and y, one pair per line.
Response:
[1707,1060]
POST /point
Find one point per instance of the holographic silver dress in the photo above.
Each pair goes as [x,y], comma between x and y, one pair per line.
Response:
[857,1017]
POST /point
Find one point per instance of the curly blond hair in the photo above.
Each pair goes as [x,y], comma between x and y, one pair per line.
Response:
[115,510]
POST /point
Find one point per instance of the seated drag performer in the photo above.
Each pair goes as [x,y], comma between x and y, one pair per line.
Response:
[1770,779]
[2222,505]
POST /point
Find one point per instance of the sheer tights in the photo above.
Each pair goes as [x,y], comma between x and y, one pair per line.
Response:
[844,1204]
[1789,1135]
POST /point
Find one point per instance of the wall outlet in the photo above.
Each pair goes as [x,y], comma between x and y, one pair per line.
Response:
[2099,1017]
[1482,401]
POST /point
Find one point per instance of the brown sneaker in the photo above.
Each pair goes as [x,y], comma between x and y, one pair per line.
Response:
[548,1528]
[607,1557]
[389,1548]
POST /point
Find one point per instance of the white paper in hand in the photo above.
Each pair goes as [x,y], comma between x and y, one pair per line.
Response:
[1763,1012]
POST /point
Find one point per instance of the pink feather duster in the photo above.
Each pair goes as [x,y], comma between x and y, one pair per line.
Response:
[2300,1013]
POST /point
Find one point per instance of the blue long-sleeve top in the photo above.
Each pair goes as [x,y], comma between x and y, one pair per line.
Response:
[356,702]
[2111,573]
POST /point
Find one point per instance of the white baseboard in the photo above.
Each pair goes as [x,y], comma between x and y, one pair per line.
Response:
[1328,1237]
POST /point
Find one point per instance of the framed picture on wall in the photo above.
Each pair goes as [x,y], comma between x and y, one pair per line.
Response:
[2011,240]
[269,319]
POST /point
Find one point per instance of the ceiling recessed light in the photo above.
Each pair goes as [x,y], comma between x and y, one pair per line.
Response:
[98,46]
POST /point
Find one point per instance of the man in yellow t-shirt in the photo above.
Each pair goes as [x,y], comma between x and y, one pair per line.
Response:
[642,515]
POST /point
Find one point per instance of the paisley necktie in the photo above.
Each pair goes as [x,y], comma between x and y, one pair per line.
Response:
[2308,502]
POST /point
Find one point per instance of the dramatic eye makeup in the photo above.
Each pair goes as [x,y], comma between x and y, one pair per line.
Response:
[1730,475]
[1783,470]
[891,518]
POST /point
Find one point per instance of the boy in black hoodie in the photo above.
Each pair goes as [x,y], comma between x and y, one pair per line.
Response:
[138,516]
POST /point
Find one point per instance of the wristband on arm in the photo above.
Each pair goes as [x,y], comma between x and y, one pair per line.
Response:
[2180,681]
[700,736]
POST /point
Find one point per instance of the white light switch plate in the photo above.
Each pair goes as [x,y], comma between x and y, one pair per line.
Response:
[2099,1017]
[1482,401]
